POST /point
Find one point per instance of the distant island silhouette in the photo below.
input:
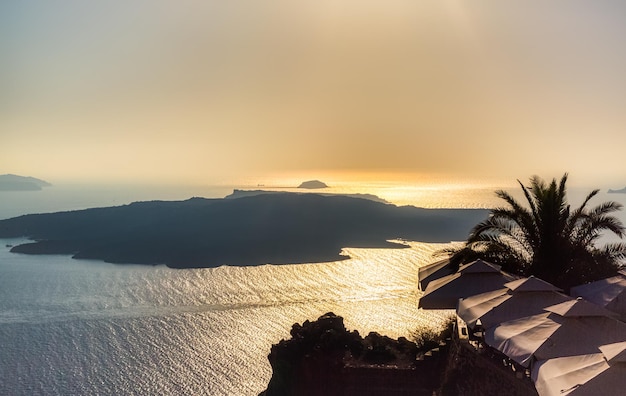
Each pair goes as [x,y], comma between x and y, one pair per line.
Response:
[313,184]
[278,228]
[11,182]
[622,191]
[249,193]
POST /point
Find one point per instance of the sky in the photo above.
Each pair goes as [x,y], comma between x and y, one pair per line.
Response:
[204,91]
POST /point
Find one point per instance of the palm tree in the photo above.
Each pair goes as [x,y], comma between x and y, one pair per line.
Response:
[547,239]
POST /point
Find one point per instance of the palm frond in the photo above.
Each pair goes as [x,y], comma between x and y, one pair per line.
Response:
[615,250]
[546,237]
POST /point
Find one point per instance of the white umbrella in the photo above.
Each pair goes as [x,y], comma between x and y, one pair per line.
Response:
[609,293]
[471,279]
[571,328]
[433,271]
[521,298]
[601,373]
[470,309]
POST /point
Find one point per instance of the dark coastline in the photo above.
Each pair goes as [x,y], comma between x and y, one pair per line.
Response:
[276,228]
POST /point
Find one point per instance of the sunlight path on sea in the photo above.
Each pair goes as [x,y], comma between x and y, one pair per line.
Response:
[74,326]
[86,327]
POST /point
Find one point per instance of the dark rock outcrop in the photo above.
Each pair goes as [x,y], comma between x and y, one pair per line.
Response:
[323,358]
[471,373]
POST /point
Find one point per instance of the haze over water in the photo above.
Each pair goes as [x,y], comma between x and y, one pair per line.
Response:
[86,327]
[173,92]
[62,197]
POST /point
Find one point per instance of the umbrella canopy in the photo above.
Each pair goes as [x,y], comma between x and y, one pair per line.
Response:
[571,328]
[578,308]
[531,284]
[614,353]
[594,374]
[520,298]
[431,272]
[471,279]
[609,382]
[471,309]
[609,293]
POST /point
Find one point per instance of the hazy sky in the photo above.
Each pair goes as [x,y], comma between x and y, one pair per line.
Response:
[209,91]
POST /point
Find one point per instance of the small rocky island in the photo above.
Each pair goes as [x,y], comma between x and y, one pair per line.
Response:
[11,182]
[313,184]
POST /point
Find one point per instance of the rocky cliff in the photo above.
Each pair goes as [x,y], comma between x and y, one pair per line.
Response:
[323,358]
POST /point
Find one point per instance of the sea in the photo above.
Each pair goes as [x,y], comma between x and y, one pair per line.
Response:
[82,327]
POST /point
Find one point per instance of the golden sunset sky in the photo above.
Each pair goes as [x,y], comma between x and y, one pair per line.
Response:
[212,91]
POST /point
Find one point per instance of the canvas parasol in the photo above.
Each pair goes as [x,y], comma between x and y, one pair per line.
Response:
[571,328]
[520,298]
[601,373]
[609,293]
[471,279]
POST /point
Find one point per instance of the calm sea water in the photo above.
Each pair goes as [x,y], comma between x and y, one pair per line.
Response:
[85,327]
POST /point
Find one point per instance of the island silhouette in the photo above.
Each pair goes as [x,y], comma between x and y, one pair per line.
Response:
[270,228]
[11,182]
[621,191]
[248,193]
[313,184]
